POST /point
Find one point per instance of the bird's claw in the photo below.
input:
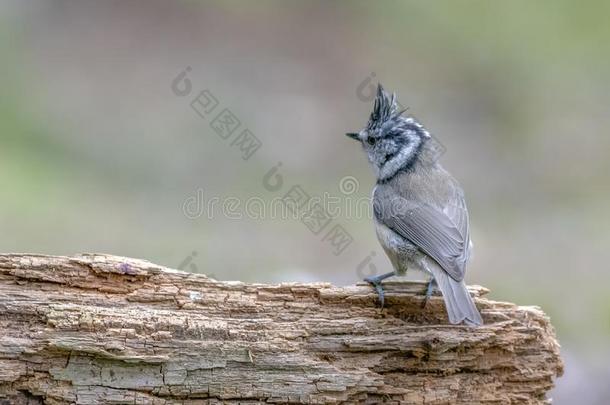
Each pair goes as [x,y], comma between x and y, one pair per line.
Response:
[378,287]
[376,282]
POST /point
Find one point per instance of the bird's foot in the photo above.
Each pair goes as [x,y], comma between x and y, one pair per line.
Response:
[376,282]
[429,289]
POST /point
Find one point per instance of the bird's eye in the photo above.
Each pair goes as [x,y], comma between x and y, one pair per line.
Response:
[371,141]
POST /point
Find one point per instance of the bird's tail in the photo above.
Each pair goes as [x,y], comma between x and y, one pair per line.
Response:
[459,303]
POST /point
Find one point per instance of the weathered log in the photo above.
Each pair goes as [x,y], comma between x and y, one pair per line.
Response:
[106,329]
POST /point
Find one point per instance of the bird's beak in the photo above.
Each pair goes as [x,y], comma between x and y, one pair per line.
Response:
[354,135]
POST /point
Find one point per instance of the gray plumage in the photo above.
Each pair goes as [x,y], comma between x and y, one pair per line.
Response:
[419,209]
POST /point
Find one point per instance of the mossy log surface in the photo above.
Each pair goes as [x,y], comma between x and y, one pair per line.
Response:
[96,328]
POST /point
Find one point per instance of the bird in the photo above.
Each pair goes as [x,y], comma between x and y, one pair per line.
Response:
[419,209]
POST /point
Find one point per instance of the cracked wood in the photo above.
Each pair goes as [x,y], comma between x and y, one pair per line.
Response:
[104,329]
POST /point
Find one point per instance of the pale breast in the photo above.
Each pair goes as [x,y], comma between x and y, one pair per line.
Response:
[400,251]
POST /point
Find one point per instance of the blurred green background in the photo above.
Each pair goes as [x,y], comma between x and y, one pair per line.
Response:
[99,155]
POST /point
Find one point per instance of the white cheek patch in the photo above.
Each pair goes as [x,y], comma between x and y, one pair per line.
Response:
[406,154]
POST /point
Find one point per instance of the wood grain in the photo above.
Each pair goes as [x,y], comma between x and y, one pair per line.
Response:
[103,329]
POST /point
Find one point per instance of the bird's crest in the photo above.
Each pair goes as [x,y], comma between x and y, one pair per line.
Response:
[384,109]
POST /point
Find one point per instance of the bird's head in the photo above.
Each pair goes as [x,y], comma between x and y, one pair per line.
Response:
[391,141]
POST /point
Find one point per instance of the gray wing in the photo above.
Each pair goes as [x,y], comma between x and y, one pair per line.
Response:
[441,232]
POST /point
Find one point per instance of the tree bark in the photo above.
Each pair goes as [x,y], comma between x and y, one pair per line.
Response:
[104,329]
